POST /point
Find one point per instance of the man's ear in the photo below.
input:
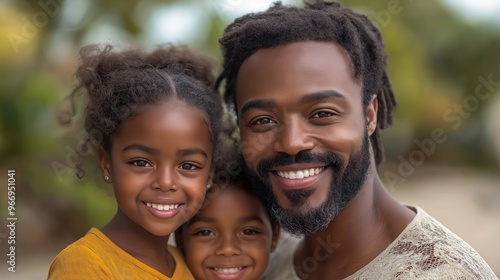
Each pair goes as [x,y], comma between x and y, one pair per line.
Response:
[371,115]
[275,237]
[105,164]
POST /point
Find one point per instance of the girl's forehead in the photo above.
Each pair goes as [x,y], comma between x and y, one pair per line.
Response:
[165,126]
[170,109]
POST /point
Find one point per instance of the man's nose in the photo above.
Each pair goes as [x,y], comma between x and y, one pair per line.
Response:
[294,137]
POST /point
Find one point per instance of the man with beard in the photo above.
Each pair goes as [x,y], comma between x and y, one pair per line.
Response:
[310,92]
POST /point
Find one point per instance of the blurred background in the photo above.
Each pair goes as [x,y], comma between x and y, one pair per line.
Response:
[443,151]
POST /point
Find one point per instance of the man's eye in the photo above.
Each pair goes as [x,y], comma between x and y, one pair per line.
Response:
[263,121]
[322,114]
[188,166]
[204,232]
[141,163]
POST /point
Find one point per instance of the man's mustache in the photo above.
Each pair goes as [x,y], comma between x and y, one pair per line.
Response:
[282,159]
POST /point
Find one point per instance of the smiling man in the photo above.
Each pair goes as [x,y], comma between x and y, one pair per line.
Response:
[310,91]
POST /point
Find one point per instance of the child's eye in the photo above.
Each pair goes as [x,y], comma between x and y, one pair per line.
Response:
[188,166]
[250,231]
[140,163]
[205,232]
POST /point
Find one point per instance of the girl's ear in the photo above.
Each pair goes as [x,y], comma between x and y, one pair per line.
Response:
[275,237]
[105,164]
[211,175]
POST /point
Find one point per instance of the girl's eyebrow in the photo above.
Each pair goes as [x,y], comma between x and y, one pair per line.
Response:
[140,147]
[149,150]
[193,151]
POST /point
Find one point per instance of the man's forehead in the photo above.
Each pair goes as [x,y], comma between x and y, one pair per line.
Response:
[298,56]
[309,66]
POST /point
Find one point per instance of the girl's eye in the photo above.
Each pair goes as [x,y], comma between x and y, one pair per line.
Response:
[249,231]
[141,163]
[188,166]
[204,232]
[322,114]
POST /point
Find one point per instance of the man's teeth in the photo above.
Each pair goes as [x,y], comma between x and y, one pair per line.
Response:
[228,270]
[300,174]
[162,207]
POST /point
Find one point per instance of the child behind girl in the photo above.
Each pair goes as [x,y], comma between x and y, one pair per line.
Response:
[159,122]
[232,235]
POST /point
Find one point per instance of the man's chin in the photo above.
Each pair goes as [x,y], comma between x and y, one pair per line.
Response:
[301,209]
[302,221]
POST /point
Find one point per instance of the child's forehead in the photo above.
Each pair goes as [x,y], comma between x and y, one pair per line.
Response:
[231,208]
[233,199]
[177,110]
[230,191]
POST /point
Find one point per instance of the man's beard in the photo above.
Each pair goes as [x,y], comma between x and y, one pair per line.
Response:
[344,186]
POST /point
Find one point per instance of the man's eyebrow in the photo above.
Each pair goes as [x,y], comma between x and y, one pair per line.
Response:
[257,104]
[324,94]
[313,97]
[140,147]
[193,151]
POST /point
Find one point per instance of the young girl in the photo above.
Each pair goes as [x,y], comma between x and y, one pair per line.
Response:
[159,120]
[232,235]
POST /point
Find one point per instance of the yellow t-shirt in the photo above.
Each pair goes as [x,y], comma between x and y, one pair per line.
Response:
[95,256]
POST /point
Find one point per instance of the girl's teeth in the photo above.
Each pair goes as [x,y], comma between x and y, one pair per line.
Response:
[228,270]
[300,174]
[162,207]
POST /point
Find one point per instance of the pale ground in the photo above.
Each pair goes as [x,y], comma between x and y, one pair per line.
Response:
[466,202]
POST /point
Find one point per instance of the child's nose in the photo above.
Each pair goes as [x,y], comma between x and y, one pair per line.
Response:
[164,179]
[228,246]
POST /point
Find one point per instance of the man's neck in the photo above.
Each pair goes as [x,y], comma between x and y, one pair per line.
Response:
[361,231]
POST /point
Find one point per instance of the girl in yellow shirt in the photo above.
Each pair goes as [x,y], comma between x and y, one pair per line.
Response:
[156,121]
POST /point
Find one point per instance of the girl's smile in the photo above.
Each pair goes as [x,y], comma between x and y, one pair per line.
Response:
[160,180]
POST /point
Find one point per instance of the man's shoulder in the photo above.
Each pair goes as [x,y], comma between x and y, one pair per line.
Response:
[427,250]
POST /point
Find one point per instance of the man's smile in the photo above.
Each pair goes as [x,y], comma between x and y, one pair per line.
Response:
[292,178]
[300,174]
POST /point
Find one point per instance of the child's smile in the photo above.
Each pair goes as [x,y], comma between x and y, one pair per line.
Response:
[160,180]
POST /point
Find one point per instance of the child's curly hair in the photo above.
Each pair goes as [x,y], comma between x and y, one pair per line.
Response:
[118,83]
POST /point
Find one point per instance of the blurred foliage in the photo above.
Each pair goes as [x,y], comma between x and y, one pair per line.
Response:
[436,58]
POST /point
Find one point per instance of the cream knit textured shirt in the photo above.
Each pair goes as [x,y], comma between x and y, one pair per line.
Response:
[424,250]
